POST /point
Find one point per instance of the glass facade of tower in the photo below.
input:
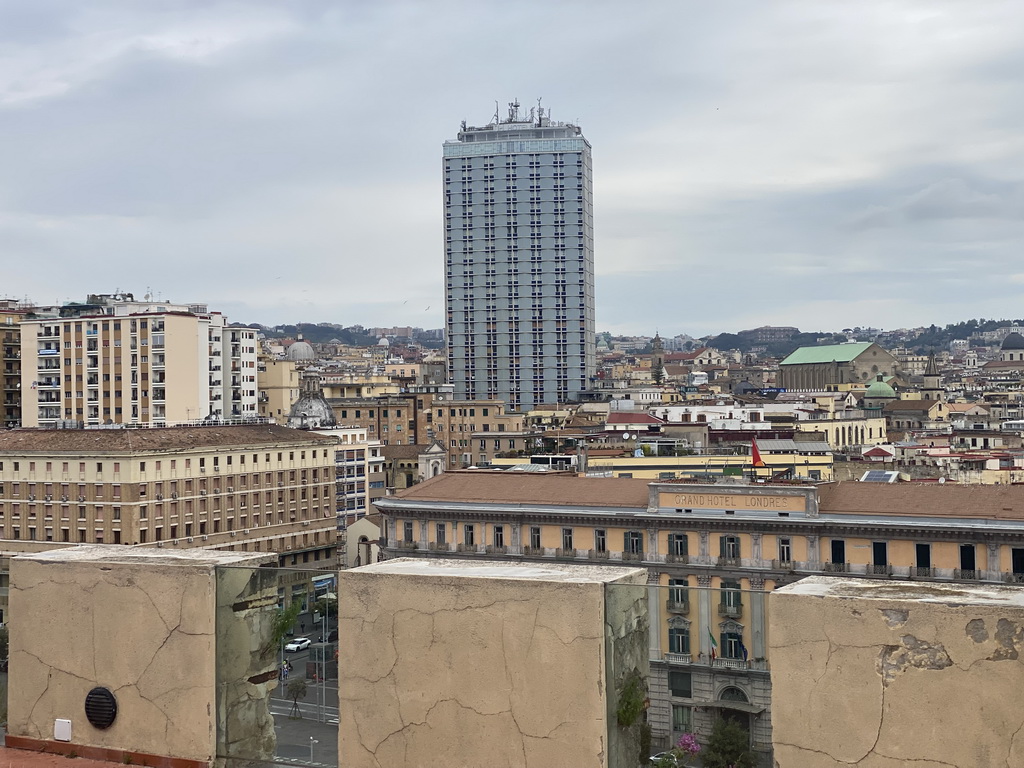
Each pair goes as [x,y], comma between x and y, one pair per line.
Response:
[519,261]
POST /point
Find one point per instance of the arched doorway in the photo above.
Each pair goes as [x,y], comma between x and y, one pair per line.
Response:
[740,715]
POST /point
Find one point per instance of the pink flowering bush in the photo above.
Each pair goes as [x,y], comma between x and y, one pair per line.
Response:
[688,745]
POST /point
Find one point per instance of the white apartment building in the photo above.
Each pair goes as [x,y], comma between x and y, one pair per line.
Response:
[118,361]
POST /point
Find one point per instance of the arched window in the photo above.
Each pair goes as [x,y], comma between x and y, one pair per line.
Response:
[733,693]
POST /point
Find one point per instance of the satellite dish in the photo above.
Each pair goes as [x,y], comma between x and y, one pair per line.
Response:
[626,436]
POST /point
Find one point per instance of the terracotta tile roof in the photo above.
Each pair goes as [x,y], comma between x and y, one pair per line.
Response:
[558,489]
[96,441]
[1004,502]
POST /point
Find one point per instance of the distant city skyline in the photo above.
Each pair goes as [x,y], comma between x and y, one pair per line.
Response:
[820,165]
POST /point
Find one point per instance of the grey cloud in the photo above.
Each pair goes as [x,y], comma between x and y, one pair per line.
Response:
[944,199]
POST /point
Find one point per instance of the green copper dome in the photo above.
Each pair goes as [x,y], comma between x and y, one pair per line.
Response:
[879,389]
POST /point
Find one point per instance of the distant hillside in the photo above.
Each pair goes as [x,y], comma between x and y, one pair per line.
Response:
[745,341]
[934,337]
[318,334]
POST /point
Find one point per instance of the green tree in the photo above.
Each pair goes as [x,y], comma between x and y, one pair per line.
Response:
[658,373]
[3,642]
[728,747]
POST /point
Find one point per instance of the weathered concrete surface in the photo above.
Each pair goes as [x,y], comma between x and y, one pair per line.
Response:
[141,623]
[885,674]
[449,663]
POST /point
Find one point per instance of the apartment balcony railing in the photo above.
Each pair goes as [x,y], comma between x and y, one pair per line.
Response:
[466,548]
[877,569]
[533,551]
[677,606]
[633,556]
[594,554]
[566,553]
[408,545]
[965,574]
[494,549]
[922,572]
[678,658]
[835,567]
[731,609]
[674,558]
[729,562]
[1013,578]
[782,565]
[434,546]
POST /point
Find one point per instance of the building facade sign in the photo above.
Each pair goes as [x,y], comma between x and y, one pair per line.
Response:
[733,501]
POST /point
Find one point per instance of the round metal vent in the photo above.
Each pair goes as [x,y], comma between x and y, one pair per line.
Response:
[101,708]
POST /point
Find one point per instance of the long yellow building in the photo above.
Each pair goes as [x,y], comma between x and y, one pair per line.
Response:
[714,553]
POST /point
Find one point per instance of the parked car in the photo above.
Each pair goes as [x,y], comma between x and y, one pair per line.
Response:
[298,644]
[667,759]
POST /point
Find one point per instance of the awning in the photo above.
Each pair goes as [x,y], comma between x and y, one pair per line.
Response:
[740,706]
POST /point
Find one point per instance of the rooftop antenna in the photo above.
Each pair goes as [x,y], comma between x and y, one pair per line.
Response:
[513,111]
[496,117]
[540,111]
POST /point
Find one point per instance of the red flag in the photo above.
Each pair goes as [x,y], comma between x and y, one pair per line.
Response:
[755,454]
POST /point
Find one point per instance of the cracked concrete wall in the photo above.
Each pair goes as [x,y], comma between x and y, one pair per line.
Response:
[886,674]
[453,663]
[141,624]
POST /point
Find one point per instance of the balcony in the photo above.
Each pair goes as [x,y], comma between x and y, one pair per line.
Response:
[922,572]
[434,546]
[1013,578]
[835,567]
[783,565]
[494,549]
[633,556]
[729,562]
[533,551]
[677,606]
[678,658]
[874,569]
[407,545]
[595,554]
[671,558]
[733,609]
[565,553]
[966,575]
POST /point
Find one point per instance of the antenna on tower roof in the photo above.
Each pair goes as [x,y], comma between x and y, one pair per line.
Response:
[497,118]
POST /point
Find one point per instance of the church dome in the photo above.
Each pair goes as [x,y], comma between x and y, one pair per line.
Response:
[1013,341]
[300,350]
[879,389]
[383,342]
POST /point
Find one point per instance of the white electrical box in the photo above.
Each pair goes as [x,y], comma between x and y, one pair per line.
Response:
[61,730]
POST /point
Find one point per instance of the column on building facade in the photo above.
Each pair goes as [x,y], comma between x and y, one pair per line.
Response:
[704,611]
[389,532]
[755,547]
[992,561]
[652,544]
[757,616]
[423,534]
[517,538]
[654,612]
[813,556]
[703,550]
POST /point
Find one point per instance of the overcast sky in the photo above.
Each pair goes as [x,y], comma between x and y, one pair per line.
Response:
[819,164]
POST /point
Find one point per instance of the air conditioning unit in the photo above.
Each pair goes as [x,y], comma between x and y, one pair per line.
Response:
[230,489]
[205,537]
[246,531]
[49,497]
[175,542]
[31,497]
[305,522]
[63,498]
[174,495]
[202,469]
[159,543]
[159,497]
[190,539]
[280,484]
[202,492]
[81,498]
[232,533]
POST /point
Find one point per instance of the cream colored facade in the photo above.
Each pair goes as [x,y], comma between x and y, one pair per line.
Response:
[461,665]
[880,674]
[146,367]
[843,433]
[278,382]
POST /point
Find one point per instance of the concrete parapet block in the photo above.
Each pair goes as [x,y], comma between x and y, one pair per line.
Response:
[144,625]
[881,674]
[499,664]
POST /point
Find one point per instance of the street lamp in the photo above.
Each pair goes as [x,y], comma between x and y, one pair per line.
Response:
[312,741]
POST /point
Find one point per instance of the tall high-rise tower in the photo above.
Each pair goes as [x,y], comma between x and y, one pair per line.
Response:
[519,260]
